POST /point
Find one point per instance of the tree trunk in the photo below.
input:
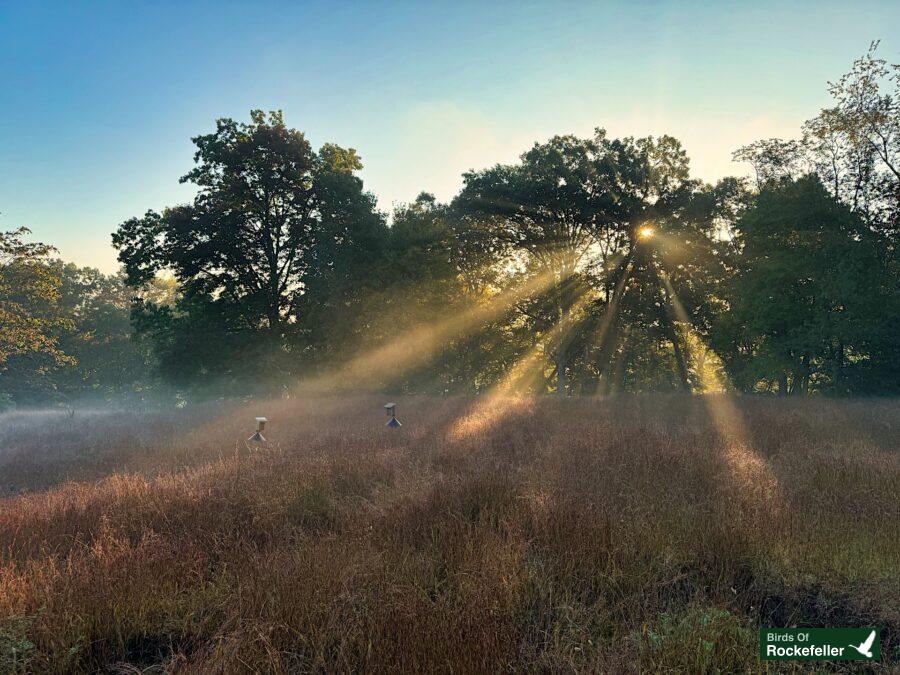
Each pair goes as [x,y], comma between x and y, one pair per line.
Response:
[666,318]
[274,320]
[838,373]
[564,325]
[605,364]
[561,358]
[783,384]
[802,376]
[589,379]
[680,362]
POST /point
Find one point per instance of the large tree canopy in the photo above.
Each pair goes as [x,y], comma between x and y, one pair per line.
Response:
[580,211]
[269,216]
[808,302]
[263,202]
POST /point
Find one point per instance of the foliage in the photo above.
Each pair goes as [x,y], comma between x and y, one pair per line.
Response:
[592,265]
[269,216]
[94,355]
[804,303]
[29,295]
[110,360]
[816,298]
[574,210]
[854,146]
[30,313]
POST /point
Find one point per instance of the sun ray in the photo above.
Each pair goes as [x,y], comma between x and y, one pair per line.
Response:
[424,342]
[606,320]
[512,391]
[671,245]
[750,471]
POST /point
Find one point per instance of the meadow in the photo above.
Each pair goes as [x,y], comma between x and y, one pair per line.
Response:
[619,535]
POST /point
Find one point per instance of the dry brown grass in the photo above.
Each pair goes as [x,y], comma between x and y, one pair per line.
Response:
[604,536]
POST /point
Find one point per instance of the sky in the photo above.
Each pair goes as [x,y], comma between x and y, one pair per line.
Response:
[99,100]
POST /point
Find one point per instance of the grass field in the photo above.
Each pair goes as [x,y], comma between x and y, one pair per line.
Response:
[648,533]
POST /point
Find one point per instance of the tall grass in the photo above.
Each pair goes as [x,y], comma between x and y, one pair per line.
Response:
[603,536]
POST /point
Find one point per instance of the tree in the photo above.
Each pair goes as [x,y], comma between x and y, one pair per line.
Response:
[347,263]
[773,158]
[574,210]
[867,115]
[853,146]
[30,317]
[421,270]
[430,273]
[801,307]
[549,211]
[110,362]
[244,250]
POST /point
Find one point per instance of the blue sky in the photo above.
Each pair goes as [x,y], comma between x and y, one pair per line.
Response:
[99,100]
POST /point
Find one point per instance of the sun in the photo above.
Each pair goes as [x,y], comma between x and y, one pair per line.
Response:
[646,232]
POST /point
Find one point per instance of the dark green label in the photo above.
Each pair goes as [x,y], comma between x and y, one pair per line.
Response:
[819,644]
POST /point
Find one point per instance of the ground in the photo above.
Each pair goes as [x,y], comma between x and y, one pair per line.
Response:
[636,533]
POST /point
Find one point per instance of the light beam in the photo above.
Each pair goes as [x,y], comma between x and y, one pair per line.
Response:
[422,343]
[509,393]
[749,470]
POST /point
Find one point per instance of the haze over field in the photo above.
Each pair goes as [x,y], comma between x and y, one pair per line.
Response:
[616,536]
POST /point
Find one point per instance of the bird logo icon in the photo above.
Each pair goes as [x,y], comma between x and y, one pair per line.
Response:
[866,647]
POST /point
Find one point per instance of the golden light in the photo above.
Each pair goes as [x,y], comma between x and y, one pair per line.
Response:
[422,343]
[646,232]
[513,390]
[751,473]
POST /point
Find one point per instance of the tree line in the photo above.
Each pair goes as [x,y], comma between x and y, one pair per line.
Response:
[599,261]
